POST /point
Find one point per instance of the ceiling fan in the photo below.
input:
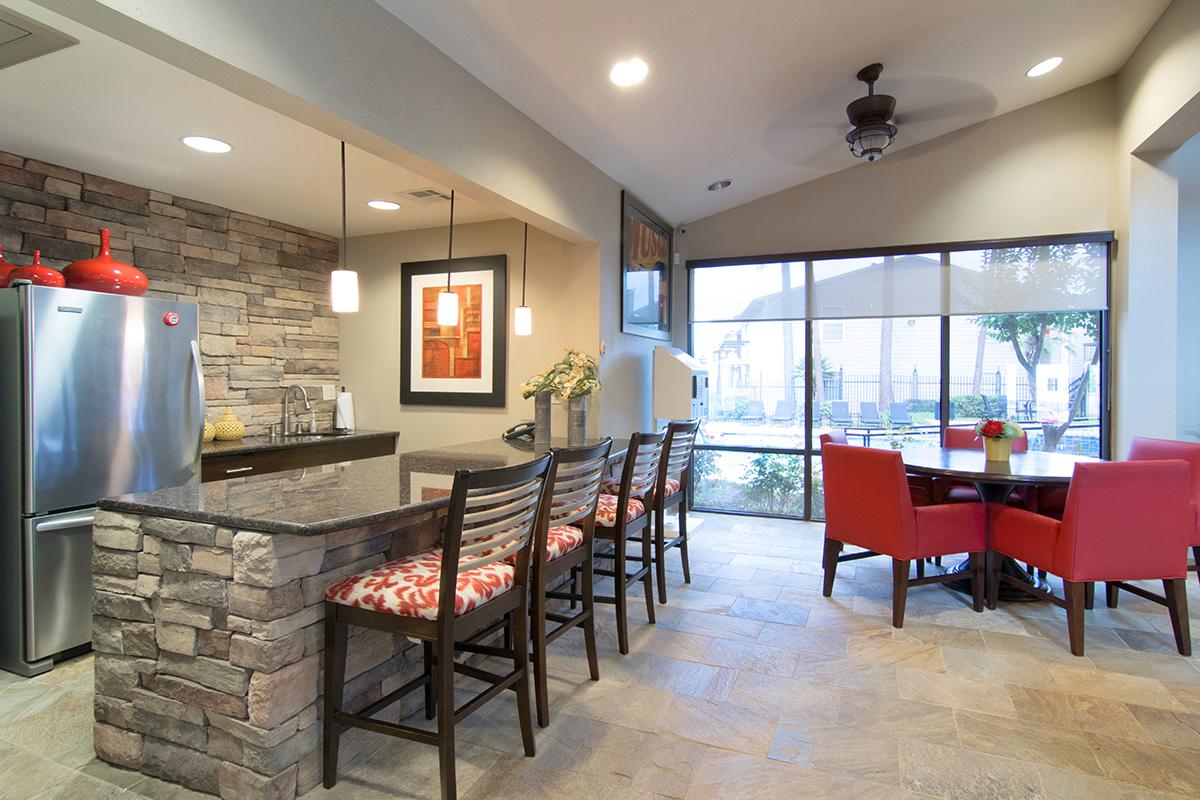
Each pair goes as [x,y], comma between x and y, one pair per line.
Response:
[808,134]
[871,117]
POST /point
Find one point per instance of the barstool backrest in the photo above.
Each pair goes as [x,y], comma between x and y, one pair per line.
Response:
[640,474]
[493,515]
[576,478]
[681,439]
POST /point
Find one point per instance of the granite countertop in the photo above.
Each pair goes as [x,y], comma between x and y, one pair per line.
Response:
[331,497]
[252,444]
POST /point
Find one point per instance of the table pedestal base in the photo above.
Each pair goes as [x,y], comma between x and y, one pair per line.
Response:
[1009,566]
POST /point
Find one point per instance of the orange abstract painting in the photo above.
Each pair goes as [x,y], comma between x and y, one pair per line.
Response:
[452,351]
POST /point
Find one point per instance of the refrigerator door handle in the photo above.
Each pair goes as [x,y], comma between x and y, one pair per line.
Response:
[198,364]
[63,523]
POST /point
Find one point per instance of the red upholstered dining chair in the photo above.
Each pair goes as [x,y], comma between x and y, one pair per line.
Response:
[444,597]
[949,490]
[1124,521]
[868,504]
[1146,449]
[919,486]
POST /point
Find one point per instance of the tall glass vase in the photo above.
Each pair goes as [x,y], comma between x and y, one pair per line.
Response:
[576,421]
[541,419]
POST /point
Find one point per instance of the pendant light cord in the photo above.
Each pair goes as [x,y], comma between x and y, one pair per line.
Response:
[524,263]
[343,253]
[450,251]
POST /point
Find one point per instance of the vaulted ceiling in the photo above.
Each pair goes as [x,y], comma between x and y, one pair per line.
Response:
[755,91]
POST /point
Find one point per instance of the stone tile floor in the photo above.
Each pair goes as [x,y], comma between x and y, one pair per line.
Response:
[752,685]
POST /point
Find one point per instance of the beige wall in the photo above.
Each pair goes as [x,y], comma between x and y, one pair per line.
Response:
[436,119]
[562,288]
[1042,169]
[1158,94]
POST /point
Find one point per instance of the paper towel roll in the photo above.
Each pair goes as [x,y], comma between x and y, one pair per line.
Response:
[344,411]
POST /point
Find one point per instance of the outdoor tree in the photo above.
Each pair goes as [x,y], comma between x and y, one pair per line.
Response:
[1057,267]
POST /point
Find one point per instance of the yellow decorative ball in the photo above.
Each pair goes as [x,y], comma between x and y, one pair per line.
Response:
[229,428]
[210,431]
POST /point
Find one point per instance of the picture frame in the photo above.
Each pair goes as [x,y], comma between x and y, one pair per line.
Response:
[647,245]
[464,365]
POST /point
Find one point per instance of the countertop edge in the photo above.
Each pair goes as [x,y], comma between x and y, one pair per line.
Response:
[264,444]
[123,506]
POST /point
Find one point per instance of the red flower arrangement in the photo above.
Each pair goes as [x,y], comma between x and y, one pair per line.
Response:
[998,429]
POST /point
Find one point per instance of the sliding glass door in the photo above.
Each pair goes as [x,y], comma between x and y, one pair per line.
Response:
[891,348]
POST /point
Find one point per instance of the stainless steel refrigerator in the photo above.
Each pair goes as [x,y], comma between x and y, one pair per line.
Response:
[101,395]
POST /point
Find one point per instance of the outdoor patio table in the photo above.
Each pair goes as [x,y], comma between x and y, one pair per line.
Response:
[995,481]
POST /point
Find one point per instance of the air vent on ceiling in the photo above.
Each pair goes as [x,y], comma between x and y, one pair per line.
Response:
[22,38]
[425,196]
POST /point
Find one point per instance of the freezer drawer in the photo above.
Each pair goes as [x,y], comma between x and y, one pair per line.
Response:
[58,582]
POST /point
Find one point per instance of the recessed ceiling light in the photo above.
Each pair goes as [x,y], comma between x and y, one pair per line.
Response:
[383,205]
[717,186]
[206,144]
[1049,65]
[629,73]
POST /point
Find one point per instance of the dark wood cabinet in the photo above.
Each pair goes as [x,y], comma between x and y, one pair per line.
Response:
[223,466]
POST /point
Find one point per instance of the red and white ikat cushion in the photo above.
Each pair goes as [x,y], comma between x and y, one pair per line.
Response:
[606,510]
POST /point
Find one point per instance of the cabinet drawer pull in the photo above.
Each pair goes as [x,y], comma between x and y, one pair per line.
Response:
[235,470]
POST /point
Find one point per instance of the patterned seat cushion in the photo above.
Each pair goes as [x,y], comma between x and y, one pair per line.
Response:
[606,510]
[613,487]
[562,540]
[408,587]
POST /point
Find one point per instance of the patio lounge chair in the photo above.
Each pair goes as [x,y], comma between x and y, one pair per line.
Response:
[839,415]
[754,411]
[869,414]
[785,412]
[898,414]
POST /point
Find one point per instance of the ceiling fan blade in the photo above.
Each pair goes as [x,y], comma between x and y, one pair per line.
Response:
[972,107]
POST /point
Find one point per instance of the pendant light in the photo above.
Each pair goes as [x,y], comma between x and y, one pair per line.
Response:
[343,283]
[447,307]
[523,314]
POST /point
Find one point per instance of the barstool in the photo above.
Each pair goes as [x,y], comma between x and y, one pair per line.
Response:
[567,548]
[621,518]
[670,490]
[491,524]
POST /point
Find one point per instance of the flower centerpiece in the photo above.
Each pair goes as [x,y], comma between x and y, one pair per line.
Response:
[998,435]
[573,378]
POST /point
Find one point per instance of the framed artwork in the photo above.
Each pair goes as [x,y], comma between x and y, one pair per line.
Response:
[645,271]
[454,365]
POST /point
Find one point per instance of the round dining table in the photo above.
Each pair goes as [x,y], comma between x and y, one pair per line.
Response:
[995,481]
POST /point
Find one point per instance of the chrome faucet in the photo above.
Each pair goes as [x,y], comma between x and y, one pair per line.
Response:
[290,394]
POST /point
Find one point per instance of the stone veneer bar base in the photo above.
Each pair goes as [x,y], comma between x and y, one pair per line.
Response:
[208,648]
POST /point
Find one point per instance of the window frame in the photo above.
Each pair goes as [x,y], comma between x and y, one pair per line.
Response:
[1104,338]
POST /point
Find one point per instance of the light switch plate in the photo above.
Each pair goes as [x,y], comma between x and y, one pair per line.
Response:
[328,391]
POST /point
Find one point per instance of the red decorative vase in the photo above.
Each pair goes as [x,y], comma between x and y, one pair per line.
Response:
[36,274]
[5,268]
[105,274]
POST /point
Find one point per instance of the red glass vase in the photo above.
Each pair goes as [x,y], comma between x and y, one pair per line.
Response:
[105,274]
[36,274]
[5,268]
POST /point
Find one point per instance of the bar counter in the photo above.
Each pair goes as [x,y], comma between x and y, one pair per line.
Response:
[208,616]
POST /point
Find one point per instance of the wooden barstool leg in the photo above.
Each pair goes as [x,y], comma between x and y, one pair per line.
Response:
[647,565]
[620,595]
[430,689]
[335,684]
[660,553]
[537,618]
[444,668]
[574,586]
[589,622]
[520,619]
[683,541]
